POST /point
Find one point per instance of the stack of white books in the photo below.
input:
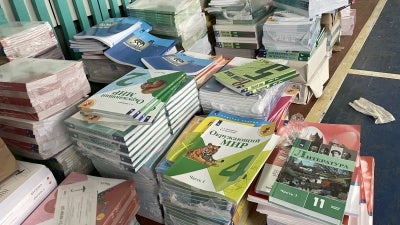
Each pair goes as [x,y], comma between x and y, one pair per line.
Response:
[311,8]
[285,31]
[34,39]
[216,96]
[24,191]
[37,95]
[177,19]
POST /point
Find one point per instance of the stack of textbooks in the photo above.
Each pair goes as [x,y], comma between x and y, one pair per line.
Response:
[285,31]
[207,171]
[104,201]
[136,98]
[215,95]
[238,26]
[311,8]
[176,19]
[146,179]
[240,36]
[118,149]
[36,96]
[94,41]
[254,77]
[328,140]
[23,191]
[33,39]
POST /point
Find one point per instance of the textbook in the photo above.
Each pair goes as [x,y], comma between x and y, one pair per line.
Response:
[137,97]
[189,62]
[315,180]
[221,161]
[178,149]
[253,77]
[111,31]
[24,190]
[137,45]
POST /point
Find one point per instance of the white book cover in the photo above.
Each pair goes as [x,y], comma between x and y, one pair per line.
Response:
[28,180]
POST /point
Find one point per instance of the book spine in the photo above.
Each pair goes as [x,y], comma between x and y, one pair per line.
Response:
[237,45]
[287,55]
[224,33]
[98,140]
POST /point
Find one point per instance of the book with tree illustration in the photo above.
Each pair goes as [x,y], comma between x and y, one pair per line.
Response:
[344,134]
[315,180]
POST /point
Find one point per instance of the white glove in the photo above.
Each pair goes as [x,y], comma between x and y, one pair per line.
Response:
[368,108]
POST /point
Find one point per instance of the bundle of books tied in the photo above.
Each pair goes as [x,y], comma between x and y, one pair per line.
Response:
[209,168]
[216,95]
[36,96]
[183,21]
[34,39]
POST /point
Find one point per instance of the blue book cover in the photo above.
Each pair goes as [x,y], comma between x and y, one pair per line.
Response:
[113,30]
[180,61]
[137,45]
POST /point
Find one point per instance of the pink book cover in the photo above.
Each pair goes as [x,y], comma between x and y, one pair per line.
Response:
[367,189]
[45,211]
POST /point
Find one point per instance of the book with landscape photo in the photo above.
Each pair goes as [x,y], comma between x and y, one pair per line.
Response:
[315,180]
[137,96]
[137,45]
[255,76]
[344,134]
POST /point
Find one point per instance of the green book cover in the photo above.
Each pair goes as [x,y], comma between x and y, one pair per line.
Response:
[178,149]
[225,154]
[253,75]
[137,96]
[315,180]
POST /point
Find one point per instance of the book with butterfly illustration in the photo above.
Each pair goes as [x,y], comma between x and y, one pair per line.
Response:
[136,97]
[253,77]
[137,45]
[224,159]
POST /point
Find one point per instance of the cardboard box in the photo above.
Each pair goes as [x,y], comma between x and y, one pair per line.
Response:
[314,85]
[7,161]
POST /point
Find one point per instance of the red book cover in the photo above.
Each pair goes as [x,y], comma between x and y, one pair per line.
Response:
[112,202]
